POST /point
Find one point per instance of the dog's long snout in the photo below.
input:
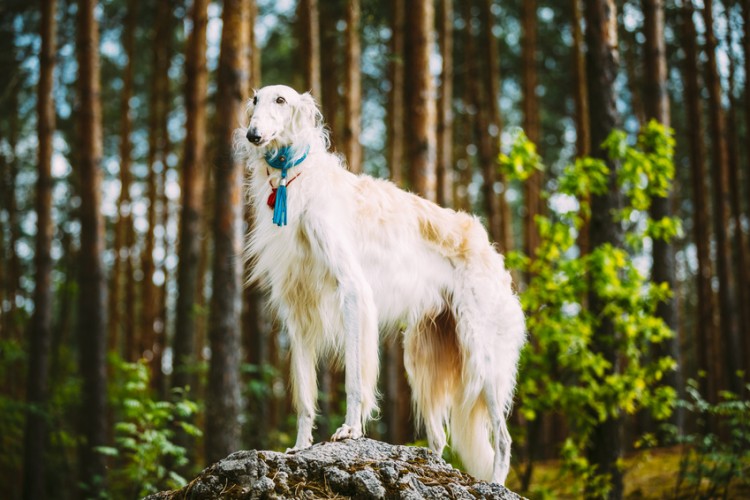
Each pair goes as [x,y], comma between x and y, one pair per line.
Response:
[253,135]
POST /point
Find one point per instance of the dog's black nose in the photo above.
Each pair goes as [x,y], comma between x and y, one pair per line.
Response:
[253,135]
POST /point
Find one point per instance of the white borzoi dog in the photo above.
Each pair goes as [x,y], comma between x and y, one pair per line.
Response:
[346,256]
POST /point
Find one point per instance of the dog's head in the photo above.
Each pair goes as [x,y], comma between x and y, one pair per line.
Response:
[279,115]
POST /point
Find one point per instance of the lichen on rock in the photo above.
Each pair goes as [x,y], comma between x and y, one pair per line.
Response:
[358,468]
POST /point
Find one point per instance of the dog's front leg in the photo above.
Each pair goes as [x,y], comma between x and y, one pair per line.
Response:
[304,390]
[352,427]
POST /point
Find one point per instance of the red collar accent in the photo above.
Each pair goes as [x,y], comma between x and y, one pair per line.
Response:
[272,197]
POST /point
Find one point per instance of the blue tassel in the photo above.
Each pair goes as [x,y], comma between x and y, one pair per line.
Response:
[282,160]
[279,208]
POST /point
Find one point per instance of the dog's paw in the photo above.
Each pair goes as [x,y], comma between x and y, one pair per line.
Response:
[301,444]
[346,432]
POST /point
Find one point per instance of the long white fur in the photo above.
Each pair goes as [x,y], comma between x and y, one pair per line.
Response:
[359,256]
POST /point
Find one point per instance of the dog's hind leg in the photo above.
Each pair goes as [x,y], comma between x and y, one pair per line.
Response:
[432,363]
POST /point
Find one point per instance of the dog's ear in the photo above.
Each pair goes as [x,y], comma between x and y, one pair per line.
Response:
[307,111]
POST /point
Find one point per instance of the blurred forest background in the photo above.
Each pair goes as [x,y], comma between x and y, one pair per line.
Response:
[130,354]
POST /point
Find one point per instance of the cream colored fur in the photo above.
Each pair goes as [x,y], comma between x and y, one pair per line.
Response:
[359,256]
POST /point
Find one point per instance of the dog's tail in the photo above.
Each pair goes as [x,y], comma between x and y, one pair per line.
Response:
[470,437]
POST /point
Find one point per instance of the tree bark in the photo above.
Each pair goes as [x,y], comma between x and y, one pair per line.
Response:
[156,141]
[353,86]
[420,98]
[746,51]
[330,68]
[530,105]
[92,301]
[583,129]
[254,62]
[396,119]
[663,267]
[720,179]
[223,395]
[193,187]
[310,20]
[602,65]
[444,168]
[705,327]
[735,199]
[37,381]
[503,229]
[120,319]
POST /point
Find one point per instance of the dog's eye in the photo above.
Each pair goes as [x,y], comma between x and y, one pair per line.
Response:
[280,100]
[255,100]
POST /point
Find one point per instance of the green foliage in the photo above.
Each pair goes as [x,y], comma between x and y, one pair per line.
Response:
[562,371]
[144,448]
[710,463]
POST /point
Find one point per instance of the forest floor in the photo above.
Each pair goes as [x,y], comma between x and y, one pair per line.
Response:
[649,474]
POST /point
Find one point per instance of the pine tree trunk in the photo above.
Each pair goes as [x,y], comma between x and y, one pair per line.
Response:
[663,268]
[583,129]
[13,285]
[705,328]
[420,98]
[735,200]
[397,397]
[530,105]
[92,333]
[353,86]
[157,109]
[746,51]
[330,69]
[120,320]
[193,187]
[223,394]
[720,179]
[396,119]
[37,382]
[493,128]
[444,169]
[602,64]
[308,10]
[254,62]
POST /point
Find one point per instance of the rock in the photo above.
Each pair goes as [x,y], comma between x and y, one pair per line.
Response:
[358,468]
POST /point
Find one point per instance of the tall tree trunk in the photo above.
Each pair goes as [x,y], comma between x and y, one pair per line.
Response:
[663,268]
[157,107]
[530,105]
[310,20]
[254,63]
[13,283]
[353,86]
[705,328]
[397,410]
[735,198]
[444,168]
[420,97]
[330,68]
[746,51]
[122,269]
[583,129]
[254,337]
[602,64]
[503,232]
[92,332]
[193,186]
[396,119]
[223,395]
[720,178]
[37,381]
